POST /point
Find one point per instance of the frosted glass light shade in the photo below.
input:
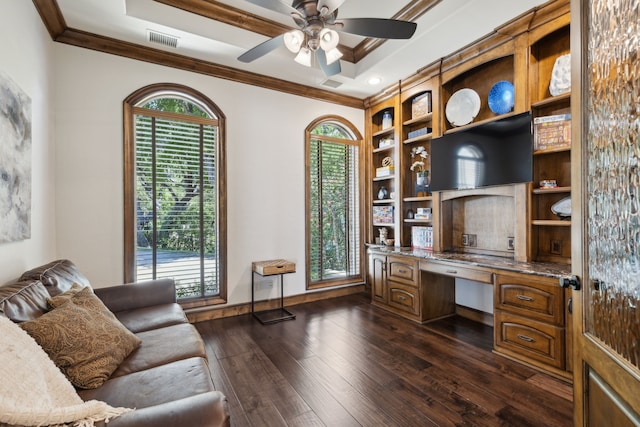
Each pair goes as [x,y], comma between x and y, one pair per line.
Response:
[304,57]
[293,40]
[329,39]
[333,55]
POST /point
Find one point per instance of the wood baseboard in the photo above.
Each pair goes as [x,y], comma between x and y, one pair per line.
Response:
[209,313]
[475,315]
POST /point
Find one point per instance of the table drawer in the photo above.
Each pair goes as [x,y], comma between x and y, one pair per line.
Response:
[533,340]
[457,271]
[532,297]
[404,298]
[403,270]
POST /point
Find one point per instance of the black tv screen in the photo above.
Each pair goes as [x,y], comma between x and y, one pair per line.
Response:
[494,153]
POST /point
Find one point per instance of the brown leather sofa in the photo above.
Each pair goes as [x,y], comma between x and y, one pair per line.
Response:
[167,379]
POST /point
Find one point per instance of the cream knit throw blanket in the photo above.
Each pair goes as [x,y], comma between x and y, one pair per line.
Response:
[33,391]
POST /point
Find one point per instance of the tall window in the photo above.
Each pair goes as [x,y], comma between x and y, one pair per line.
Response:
[334,244]
[173,179]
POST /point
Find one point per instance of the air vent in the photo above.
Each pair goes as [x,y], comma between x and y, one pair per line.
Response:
[331,83]
[163,39]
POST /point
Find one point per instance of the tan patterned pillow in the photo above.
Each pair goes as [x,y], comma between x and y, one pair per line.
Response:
[58,300]
[83,338]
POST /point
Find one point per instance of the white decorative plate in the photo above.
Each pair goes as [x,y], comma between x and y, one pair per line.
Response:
[463,107]
[561,75]
[562,208]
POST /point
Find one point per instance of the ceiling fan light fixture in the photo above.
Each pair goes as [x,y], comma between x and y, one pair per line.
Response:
[333,55]
[329,39]
[304,57]
[293,40]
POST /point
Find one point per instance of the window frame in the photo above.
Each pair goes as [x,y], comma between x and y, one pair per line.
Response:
[129,106]
[358,142]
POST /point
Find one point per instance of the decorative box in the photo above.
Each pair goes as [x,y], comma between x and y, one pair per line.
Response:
[383,214]
[276,266]
[552,132]
[422,237]
[384,171]
[421,105]
[423,213]
[418,132]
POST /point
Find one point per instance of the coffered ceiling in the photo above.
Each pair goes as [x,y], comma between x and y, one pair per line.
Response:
[211,34]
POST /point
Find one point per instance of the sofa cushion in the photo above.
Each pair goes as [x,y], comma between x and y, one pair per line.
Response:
[155,386]
[57,276]
[24,300]
[154,317]
[159,347]
[83,339]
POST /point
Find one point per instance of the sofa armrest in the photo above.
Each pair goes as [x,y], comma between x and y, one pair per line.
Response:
[138,295]
[208,409]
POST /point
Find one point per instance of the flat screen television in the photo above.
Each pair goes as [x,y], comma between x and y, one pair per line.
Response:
[494,153]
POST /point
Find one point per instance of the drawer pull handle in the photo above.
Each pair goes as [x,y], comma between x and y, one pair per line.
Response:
[401,298]
[524,298]
[526,338]
[401,270]
[452,271]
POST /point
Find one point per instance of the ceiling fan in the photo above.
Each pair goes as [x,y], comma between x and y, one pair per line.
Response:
[318,33]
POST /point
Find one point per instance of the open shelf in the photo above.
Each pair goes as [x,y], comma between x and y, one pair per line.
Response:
[418,199]
[382,132]
[424,137]
[551,190]
[422,119]
[417,221]
[552,222]
[553,100]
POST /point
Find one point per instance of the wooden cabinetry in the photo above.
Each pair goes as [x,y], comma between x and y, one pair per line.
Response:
[530,321]
[550,235]
[523,52]
[384,194]
[398,285]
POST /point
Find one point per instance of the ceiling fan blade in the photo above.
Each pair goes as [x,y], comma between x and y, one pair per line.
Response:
[276,5]
[262,49]
[377,27]
[331,5]
[328,69]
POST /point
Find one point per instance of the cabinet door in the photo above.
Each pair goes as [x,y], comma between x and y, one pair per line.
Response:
[377,269]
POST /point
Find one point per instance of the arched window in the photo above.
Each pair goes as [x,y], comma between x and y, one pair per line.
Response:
[175,217]
[333,186]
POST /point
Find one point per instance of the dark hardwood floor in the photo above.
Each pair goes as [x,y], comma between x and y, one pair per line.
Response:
[343,362]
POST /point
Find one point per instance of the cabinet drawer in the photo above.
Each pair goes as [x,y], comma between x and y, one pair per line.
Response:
[535,298]
[404,298]
[457,271]
[529,338]
[403,270]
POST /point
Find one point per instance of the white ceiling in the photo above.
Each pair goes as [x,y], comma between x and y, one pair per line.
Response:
[447,27]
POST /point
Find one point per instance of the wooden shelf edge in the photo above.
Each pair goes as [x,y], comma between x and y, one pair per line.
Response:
[424,137]
[478,123]
[379,150]
[383,202]
[381,224]
[422,119]
[384,131]
[552,100]
[417,199]
[418,221]
[551,190]
[551,150]
[383,178]
[551,222]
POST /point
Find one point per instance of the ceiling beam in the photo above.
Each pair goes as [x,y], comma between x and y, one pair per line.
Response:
[54,22]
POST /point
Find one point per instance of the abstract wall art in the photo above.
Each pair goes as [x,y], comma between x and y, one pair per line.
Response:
[15,161]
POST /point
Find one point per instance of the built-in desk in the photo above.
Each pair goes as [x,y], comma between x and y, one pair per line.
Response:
[529,309]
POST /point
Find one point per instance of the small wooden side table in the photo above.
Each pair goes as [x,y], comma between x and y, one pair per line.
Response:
[271,268]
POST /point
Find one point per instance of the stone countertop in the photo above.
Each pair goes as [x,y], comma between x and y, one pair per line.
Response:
[546,269]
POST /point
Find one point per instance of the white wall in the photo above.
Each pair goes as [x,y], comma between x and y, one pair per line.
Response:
[26,52]
[265,165]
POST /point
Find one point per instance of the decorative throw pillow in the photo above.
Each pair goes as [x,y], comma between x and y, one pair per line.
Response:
[58,300]
[83,338]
